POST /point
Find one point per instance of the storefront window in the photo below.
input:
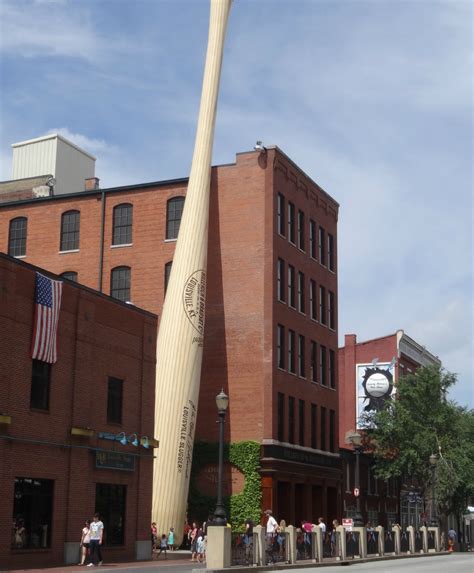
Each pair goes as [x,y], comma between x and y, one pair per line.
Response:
[110,505]
[32,513]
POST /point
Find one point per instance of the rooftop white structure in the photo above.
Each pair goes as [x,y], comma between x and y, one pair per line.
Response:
[53,155]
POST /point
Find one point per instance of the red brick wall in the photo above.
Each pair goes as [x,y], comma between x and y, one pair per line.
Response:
[307,197]
[98,337]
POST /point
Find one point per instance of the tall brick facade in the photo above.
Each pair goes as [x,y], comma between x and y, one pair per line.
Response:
[250,257]
[381,502]
[98,338]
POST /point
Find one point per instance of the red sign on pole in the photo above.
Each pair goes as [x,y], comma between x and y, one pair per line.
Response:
[356,492]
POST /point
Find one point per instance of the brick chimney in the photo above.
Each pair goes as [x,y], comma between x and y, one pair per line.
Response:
[92,184]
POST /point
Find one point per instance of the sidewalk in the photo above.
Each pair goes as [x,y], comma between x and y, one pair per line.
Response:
[176,559]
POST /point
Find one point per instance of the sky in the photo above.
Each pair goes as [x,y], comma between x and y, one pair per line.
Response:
[373,99]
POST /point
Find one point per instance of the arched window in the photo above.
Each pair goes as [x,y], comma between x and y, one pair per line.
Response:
[167,274]
[70,276]
[122,224]
[70,231]
[120,283]
[17,237]
[174,210]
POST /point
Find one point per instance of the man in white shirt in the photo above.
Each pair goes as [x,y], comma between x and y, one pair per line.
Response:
[96,529]
[271,530]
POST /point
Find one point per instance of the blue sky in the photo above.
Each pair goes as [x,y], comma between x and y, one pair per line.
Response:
[373,99]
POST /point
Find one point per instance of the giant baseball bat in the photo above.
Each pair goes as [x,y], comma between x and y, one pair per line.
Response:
[181,330]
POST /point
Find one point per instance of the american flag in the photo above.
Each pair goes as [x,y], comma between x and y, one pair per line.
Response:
[47,305]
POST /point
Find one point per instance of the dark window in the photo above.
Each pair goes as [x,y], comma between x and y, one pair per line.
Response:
[40,383]
[114,400]
[281,280]
[313,301]
[323,428]
[17,237]
[331,310]
[281,417]
[32,513]
[314,426]
[332,429]
[281,346]
[301,241]
[174,211]
[322,365]
[301,302]
[291,419]
[70,222]
[281,214]
[322,246]
[120,283]
[301,409]
[301,356]
[291,351]
[167,274]
[313,361]
[122,231]
[312,238]
[322,305]
[291,285]
[291,222]
[331,262]
[70,276]
[110,500]
[332,369]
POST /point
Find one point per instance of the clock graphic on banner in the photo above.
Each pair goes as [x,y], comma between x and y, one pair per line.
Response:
[374,387]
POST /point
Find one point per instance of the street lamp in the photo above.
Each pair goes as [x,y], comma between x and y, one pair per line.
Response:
[222,402]
[355,439]
[433,462]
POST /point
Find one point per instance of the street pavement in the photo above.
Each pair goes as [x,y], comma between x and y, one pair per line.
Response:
[455,562]
[178,562]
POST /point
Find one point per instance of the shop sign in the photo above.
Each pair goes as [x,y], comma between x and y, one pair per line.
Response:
[115,461]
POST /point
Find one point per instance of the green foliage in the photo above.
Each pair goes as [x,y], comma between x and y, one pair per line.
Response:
[420,422]
[239,507]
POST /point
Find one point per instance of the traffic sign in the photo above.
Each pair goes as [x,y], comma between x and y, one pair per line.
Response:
[347,522]
[356,492]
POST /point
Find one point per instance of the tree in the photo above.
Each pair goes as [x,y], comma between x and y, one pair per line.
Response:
[419,422]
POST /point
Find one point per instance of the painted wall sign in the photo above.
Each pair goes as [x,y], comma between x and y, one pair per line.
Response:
[232,479]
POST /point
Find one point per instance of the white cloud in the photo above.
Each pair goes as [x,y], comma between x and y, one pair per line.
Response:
[33,30]
[89,144]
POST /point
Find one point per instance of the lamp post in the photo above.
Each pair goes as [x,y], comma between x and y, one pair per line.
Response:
[355,439]
[222,402]
[433,462]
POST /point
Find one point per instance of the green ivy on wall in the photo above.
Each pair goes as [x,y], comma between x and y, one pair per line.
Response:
[239,507]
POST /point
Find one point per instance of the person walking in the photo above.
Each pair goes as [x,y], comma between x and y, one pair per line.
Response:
[193,538]
[96,538]
[271,533]
[85,542]
[451,539]
[163,546]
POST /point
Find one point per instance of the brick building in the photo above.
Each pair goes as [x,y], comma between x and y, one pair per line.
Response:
[60,457]
[271,313]
[369,370]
